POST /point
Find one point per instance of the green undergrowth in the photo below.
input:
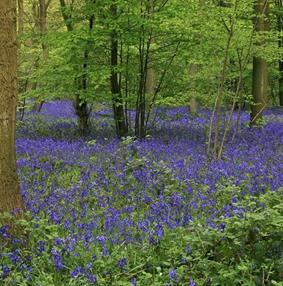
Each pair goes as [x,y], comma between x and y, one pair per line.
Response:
[246,249]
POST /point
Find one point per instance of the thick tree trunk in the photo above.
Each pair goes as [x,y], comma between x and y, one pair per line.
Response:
[260,68]
[10,197]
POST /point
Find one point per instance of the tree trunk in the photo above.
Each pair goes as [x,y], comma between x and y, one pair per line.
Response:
[20,36]
[259,91]
[281,83]
[10,197]
[260,68]
[43,28]
[40,15]
[83,112]
[20,18]
[279,4]
[150,76]
[193,104]
[82,109]
[150,82]
[117,100]
[146,75]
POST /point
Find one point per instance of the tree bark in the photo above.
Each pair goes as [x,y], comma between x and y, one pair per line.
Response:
[150,77]
[281,83]
[117,99]
[82,109]
[10,197]
[20,18]
[40,9]
[279,4]
[193,104]
[150,81]
[43,7]
[22,87]
[260,67]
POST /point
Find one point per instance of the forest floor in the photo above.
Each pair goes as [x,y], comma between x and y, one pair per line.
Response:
[104,193]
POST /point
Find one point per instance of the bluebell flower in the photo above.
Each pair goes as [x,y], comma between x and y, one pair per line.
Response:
[173,274]
[77,271]
[57,259]
[105,251]
[188,250]
[57,241]
[159,231]
[134,281]
[122,263]
[101,239]
[41,246]
[4,231]
[5,271]
[92,279]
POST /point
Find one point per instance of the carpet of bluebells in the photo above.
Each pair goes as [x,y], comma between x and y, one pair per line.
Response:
[94,201]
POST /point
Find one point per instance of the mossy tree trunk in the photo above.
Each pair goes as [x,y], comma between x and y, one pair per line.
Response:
[279,4]
[10,197]
[260,67]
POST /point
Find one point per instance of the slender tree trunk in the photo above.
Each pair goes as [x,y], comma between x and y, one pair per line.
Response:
[83,112]
[20,18]
[67,18]
[259,90]
[150,81]
[220,95]
[221,91]
[260,68]
[117,99]
[193,104]
[140,123]
[150,77]
[281,83]
[40,16]
[20,35]
[43,7]
[144,72]
[279,4]
[10,197]
[81,107]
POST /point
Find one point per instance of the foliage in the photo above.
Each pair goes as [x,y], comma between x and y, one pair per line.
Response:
[245,249]
[156,211]
[182,42]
